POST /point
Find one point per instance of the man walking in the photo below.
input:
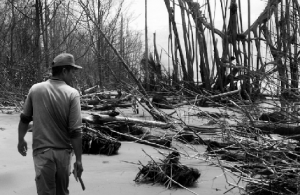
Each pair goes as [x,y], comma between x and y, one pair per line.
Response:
[54,108]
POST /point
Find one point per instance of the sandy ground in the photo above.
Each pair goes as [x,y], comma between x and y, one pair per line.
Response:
[102,174]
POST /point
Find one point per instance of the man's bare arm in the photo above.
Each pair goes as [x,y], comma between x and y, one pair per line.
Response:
[77,146]
[22,144]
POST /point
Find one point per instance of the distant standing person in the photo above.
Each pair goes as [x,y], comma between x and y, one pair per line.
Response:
[54,108]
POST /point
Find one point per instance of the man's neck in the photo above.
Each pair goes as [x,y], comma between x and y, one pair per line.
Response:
[60,78]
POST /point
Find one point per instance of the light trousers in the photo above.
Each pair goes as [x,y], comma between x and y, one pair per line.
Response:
[52,168]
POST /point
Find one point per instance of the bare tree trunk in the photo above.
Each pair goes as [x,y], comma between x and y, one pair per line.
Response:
[172,21]
[147,74]
[45,34]
[12,34]
[247,77]
[37,50]
[201,41]
[121,47]
[220,70]
[100,44]
[291,42]
[188,49]
[157,60]
[295,72]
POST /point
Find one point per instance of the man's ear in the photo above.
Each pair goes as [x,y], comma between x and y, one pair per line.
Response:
[64,71]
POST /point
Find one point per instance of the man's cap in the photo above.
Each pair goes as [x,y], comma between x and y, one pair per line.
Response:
[64,59]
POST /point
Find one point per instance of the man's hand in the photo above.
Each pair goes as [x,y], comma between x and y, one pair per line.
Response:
[79,169]
[22,147]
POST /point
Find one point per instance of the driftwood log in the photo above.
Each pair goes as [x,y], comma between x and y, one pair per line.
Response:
[202,129]
[278,128]
[151,140]
[94,101]
[101,94]
[98,119]
[91,90]
[105,106]
[111,112]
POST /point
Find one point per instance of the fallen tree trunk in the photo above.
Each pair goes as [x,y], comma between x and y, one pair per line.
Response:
[202,129]
[95,101]
[98,118]
[105,93]
[109,113]
[278,128]
[105,107]
[111,106]
[91,90]
[151,140]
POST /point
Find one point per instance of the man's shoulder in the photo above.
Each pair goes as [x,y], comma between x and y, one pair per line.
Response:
[71,91]
[47,85]
[39,85]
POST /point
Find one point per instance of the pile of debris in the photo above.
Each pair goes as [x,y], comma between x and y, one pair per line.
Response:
[11,102]
[169,172]
[95,142]
[269,166]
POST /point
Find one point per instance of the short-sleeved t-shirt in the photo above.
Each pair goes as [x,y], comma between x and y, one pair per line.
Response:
[55,108]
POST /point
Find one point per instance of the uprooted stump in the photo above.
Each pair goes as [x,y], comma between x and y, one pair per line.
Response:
[169,172]
[95,142]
